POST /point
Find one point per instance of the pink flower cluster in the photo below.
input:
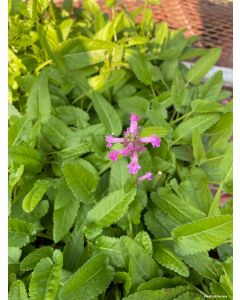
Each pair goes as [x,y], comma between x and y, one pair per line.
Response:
[133,145]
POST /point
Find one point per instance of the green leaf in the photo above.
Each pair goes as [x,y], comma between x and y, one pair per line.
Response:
[19,232]
[111,3]
[118,175]
[158,283]
[145,241]
[17,291]
[211,89]
[170,260]
[14,254]
[189,296]
[73,251]
[209,267]
[134,104]
[125,279]
[110,246]
[215,206]
[150,130]
[82,179]
[163,294]
[16,130]
[89,281]
[176,207]
[38,102]
[202,235]
[183,133]
[65,211]
[141,265]
[106,113]
[45,277]
[207,106]
[35,195]
[227,278]
[30,261]
[199,152]
[203,65]
[27,156]
[110,209]
[139,65]
[84,59]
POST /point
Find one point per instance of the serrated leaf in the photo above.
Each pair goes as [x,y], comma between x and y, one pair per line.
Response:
[30,261]
[176,207]
[27,156]
[110,246]
[106,114]
[35,195]
[170,260]
[110,209]
[45,277]
[151,130]
[203,65]
[19,232]
[158,283]
[38,102]
[209,267]
[89,281]
[183,133]
[202,235]
[141,265]
[145,241]
[65,211]
[227,278]
[163,294]
[17,291]
[82,179]
[189,296]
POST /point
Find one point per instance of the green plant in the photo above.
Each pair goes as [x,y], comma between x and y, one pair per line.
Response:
[79,226]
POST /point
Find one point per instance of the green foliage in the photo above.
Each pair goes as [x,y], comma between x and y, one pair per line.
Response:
[80,227]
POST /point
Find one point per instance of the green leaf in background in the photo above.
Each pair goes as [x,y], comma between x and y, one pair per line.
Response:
[203,65]
[176,207]
[17,291]
[170,260]
[38,102]
[209,267]
[30,261]
[14,254]
[16,130]
[111,3]
[159,282]
[202,235]
[207,106]
[211,89]
[106,114]
[73,251]
[226,279]
[151,130]
[110,209]
[162,294]
[139,65]
[65,211]
[19,232]
[184,131]
[199,152]
[141,265]
[45,277]
[89,281]
[33,197]
[134,104]
[82,179]
[118,175]
[27,156]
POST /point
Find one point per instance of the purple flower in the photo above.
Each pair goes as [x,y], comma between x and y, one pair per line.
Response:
[148,176]
[133,145]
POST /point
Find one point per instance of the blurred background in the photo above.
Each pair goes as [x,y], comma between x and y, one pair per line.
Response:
[212,20]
